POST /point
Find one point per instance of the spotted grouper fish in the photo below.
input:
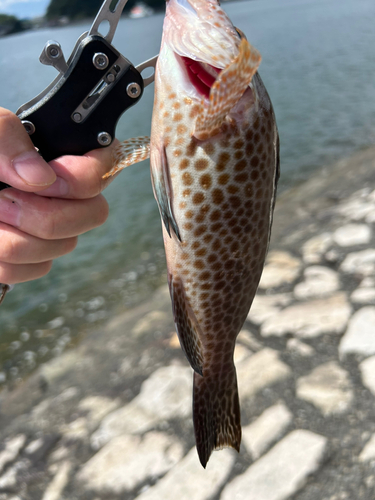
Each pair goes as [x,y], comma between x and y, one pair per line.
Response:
[215,163]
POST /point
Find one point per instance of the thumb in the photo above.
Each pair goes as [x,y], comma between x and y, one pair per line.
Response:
[20,164]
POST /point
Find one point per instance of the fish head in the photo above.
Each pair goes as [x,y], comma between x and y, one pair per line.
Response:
[200,39]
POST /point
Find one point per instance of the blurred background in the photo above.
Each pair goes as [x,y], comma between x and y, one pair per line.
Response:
[319,68]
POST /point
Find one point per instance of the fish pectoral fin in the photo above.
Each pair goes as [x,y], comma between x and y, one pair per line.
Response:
[227,90]
[161,184]
[129,152]
[187,326]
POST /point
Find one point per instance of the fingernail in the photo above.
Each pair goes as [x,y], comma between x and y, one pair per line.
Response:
[33,169]
[10,211]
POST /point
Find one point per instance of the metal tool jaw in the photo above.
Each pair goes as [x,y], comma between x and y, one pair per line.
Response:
[80,109]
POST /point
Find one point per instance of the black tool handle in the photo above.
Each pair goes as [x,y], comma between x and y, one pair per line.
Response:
[56,133]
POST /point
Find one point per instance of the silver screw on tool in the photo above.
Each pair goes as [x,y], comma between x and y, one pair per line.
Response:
[133,90]
[29,126]
[104,139]
[110,77]
[54,51]
[100,60]
[77,117]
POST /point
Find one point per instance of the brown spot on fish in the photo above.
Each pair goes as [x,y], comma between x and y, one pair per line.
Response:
[232,189]
[177,117]
[200,230]
[223,179]
[186,192]
[209,148]
[215,216]
[205,276]
[201,164]
[212,258]
[177,152]
[205,181]
[187,179]
[235,201]
[222,161]
[249,149]
[201,252]
[189,214]
[240,165]
[184,164]
[217,196]
[199,264]
[176,105]
[239,144]
[201,216]
[198,198]
[181,129]
[191,148]
[241,177]
[195,110]
[188,226]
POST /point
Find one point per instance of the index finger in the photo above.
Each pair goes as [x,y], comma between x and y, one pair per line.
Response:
[20,164]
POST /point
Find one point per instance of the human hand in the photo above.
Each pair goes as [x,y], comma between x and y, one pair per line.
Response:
[48,205]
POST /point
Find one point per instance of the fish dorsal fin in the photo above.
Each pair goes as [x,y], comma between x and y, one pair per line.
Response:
[129,152]
[227,90]
[161,184]
[187,326]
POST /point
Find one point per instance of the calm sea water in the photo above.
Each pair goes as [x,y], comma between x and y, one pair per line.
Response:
[319,68]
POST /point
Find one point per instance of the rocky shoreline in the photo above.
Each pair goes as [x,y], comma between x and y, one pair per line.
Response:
[111,418]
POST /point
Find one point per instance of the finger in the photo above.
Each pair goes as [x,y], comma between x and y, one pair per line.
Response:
[81,177]
[20,164]
[51,218]
[14,273]
[18,247]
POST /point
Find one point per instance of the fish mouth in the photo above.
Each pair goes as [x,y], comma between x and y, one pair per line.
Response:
[201,75]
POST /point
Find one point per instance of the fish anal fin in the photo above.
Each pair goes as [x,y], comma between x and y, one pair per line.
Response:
[129,152]
[161,184]
[216,413]
[227,90]
[187,326]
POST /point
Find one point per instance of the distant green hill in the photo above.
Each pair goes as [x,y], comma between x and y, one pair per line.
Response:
[10,24]
[81,9]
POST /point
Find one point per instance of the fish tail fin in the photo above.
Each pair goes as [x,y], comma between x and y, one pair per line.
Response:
[216,413]
[227,90]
